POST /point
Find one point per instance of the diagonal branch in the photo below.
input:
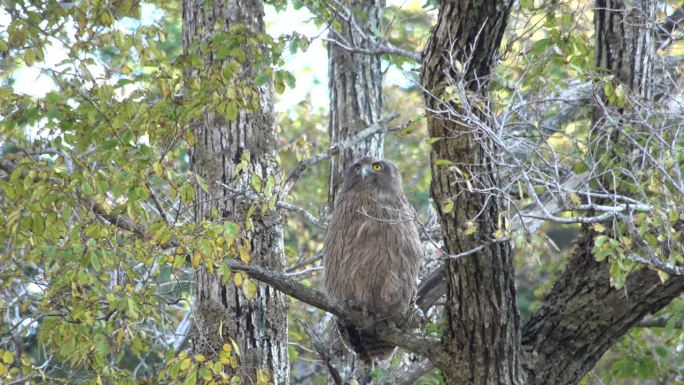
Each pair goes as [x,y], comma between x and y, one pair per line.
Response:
[380,126]
[254,197]
[583,315]
[428,347]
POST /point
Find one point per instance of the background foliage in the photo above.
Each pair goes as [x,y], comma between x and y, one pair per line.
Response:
[98,153]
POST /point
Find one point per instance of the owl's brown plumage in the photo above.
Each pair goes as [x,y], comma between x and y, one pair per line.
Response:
[372,250]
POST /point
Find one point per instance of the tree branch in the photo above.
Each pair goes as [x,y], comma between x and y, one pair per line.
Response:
[583,315]
[427,347]
[376,47]
[658,322]
[120,221]
[254,197]
[412,374]
[380,126]
[530,219]
[384,48]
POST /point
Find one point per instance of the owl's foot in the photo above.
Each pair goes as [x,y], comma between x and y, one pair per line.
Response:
[353,304]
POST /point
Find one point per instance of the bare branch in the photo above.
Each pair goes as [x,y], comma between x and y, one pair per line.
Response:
[378,127]
[412,374]
[658,322]
[182,333]
[323,352]
[530,219]
[375,47]
[658,264]
[254,197]
[384,48]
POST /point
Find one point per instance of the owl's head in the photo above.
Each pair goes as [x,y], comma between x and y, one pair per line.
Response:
[370,173]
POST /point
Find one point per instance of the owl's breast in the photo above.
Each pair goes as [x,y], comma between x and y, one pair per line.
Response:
[372,256]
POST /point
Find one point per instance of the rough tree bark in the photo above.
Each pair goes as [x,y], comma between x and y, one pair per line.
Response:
[355,89]
[259,325]
[482,327]
[355,82]
[582,315]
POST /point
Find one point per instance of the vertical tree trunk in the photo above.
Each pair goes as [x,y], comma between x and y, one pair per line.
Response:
[626,42]
[482,329]
[258,325]
[355,82]
[355,87]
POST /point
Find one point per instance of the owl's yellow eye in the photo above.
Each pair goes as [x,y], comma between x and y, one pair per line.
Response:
[377,167]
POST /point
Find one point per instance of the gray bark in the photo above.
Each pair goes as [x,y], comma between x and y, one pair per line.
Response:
[355,84]
[582,315]
[355,81]
[259,325]
[481,334]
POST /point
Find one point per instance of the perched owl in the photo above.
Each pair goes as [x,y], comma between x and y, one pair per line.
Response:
[372,250]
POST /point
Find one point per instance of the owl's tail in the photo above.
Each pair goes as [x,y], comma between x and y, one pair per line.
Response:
[365,345]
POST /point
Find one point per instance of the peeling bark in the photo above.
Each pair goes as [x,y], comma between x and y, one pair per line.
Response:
[259,325]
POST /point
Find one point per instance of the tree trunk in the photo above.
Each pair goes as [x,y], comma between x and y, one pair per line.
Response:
[355,87]
[482,328]
[355,82]
[224,312]
[582,315]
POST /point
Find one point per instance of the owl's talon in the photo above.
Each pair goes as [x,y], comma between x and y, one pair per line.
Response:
[351,304]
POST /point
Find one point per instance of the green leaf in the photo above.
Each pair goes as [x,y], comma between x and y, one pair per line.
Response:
[205,374]
[231,231]
[202,183]
[192,378]
[8,358]
[231,111]
[448,207]
[250,289]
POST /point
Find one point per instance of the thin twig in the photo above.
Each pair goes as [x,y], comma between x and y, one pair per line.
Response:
[378,127]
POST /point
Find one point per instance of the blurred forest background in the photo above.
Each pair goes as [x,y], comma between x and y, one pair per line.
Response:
[91,98]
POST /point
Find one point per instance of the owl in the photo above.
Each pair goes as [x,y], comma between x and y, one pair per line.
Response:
[372,251]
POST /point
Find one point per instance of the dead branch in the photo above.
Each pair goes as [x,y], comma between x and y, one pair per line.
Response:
[378,127]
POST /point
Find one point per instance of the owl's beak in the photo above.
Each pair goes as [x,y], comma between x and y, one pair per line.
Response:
[364,172]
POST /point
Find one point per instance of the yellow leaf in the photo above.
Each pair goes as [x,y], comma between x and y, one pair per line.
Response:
[599,228]
[196,259]
[235,346]
[200,358]
[185,364]
[237,279]
[250,289]
[244,253]
[8,358]
[157,167]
